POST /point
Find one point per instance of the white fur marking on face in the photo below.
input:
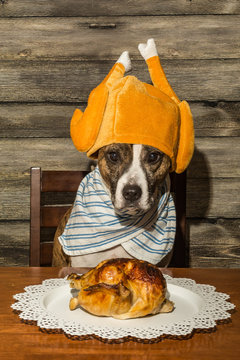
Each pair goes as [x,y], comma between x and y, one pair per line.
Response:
[134,176]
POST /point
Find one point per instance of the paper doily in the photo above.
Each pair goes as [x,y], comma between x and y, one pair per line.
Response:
[198,307]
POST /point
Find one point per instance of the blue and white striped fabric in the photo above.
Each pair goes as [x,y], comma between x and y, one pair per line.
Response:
[94,226]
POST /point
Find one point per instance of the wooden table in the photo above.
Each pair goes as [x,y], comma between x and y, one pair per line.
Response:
[21,341]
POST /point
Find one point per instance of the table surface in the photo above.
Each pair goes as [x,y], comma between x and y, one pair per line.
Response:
[21,341]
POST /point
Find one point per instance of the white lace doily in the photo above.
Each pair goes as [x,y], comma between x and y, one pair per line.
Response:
[197,306]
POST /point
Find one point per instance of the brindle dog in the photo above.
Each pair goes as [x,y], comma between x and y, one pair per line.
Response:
[133,174]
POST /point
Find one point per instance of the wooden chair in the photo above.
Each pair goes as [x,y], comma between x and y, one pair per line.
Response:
[53,193]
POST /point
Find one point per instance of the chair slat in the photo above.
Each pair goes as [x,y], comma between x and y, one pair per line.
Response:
[51,215]
[35,194]
[61,180]
[46,251]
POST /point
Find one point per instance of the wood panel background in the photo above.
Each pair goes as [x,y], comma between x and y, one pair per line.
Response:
[53,52]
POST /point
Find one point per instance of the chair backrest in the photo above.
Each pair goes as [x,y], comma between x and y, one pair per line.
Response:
[53,193]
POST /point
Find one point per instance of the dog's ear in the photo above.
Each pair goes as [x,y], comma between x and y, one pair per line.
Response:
[186,138]
[85,126]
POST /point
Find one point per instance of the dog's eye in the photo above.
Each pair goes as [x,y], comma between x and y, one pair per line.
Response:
[153,157]
[113,156]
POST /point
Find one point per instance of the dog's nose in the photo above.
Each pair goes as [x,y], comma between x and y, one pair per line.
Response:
[132,192]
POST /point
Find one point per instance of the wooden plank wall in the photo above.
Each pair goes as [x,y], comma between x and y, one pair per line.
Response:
[53,52]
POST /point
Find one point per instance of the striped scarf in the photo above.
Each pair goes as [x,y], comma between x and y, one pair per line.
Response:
[94,226]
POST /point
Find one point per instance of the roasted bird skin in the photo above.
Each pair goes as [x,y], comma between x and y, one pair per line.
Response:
[121,288]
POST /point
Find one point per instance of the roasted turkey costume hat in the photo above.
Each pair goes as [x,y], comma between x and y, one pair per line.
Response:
[122,109]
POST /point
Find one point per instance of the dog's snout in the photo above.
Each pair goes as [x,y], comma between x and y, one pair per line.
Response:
[132,192]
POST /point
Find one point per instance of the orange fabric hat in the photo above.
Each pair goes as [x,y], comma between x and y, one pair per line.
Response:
[122,109]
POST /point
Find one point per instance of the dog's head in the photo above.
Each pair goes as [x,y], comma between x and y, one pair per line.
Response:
[133,175]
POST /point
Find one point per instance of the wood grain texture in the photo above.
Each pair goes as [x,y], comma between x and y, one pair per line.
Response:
[206,198]
[53,120]
[84,38]
[52,8]
[54,52]
[213,184]
[46,81]
[213,197]
[216,119]
[15,199]
[214,244]
[213,157]
[18,155]
[18,340]
[14,249]
[36,120]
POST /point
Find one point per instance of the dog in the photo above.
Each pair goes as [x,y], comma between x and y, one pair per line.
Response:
[133,175]
[138,133]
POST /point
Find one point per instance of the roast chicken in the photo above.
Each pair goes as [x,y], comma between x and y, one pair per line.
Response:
[121,288]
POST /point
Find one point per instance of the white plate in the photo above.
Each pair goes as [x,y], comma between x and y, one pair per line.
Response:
[186,302]
[197,306]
